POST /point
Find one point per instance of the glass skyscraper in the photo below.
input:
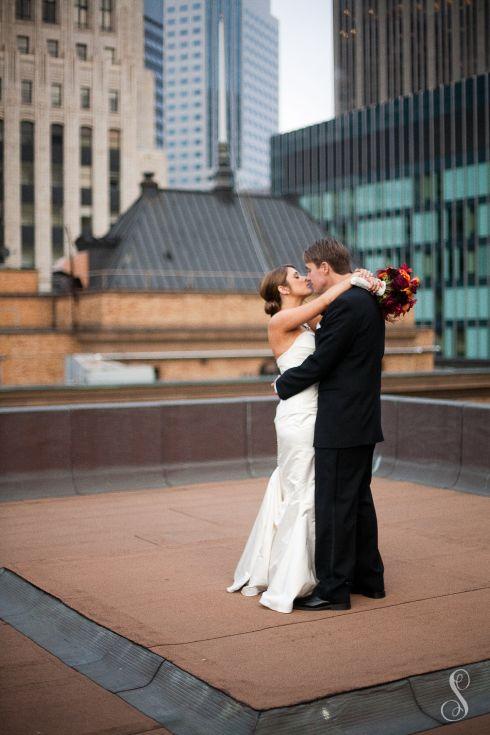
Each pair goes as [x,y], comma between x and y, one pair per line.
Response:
[190,84]
[408,180]
[153,17]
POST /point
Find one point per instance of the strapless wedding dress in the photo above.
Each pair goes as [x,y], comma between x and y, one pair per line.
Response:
[278,561]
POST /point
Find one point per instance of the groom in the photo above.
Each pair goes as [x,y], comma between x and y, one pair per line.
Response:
[347,366]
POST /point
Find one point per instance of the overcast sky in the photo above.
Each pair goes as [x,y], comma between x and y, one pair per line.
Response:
[305,62]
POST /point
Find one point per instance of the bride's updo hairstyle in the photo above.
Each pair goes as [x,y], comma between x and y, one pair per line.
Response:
[269,288]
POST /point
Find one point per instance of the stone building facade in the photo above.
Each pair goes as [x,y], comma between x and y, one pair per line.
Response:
[76,124]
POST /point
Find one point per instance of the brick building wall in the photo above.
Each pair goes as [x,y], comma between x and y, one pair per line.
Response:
[38,330]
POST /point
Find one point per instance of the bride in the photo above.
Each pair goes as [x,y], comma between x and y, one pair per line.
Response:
[278,561]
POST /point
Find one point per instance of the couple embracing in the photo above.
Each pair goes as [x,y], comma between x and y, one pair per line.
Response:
[315,539]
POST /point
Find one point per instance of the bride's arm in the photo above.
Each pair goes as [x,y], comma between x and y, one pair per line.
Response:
[290,319]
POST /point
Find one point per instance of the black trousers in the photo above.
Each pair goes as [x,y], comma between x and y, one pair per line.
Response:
[346,528]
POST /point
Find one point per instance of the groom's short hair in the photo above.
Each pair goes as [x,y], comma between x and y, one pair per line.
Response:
[331,251]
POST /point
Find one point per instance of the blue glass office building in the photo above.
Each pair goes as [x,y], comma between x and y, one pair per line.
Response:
[408,179]
[153,17]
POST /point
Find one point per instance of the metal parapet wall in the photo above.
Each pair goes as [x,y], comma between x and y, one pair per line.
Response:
[78,449]
[440,443]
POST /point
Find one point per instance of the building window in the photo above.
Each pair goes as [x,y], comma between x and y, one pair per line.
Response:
[57,190]
[23,44]
[86,180]
[86,226]
[53,48]
[49,11]
[23,10]
[110,53]
[2,234]
[86,196]
[107,12]
[27,193]
[85,146]
[81,14]
[85,98]
[26,92]
[113,100]
[82,51]
[114,173]
[55,95]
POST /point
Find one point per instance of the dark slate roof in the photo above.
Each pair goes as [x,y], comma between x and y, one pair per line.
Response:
[174,240]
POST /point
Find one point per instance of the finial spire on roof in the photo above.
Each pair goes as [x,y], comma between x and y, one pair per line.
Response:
[223,178]
[222,131]
[148,185]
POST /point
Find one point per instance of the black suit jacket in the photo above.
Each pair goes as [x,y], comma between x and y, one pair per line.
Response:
[347,366]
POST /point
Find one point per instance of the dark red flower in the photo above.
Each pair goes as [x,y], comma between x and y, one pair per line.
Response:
[400,289]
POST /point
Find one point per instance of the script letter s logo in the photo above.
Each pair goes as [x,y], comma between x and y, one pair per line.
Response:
[457,710]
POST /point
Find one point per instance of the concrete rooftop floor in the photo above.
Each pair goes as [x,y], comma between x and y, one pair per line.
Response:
[153,566]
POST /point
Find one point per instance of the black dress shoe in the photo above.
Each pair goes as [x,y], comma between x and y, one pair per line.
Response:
[314,602]
[373,594]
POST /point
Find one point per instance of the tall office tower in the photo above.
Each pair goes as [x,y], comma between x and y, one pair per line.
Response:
[408,180]
[191,90]
[76,123]
[384,49]
[154,59]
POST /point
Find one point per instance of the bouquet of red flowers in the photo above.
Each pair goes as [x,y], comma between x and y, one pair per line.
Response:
[398,297]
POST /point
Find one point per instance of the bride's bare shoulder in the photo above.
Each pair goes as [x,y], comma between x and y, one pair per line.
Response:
[275,333]
[275,322]
[280,321]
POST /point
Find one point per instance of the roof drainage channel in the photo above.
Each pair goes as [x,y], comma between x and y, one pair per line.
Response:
[187,705]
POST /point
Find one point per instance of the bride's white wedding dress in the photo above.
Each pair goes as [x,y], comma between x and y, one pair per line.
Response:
[279,556]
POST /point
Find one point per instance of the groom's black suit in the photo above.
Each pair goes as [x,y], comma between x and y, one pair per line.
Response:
[347,366]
